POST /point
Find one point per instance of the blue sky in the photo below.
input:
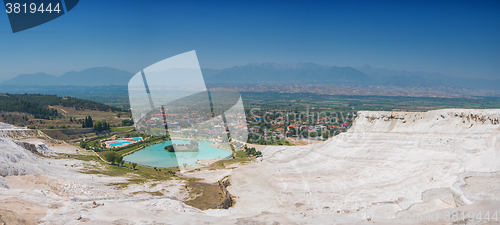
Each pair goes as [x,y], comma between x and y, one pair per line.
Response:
[457,38]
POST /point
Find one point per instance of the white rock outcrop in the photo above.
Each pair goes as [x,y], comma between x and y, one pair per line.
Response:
[383,163]
[16,160]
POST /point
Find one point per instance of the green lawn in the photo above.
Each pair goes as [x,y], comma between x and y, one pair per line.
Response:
[121,129]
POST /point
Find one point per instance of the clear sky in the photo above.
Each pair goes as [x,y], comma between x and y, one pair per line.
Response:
[457,38]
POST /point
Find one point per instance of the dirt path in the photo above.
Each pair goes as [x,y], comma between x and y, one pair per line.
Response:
[64,114]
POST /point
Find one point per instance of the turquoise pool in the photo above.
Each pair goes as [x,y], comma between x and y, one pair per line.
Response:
[156,156]
[119,143]
[136,139]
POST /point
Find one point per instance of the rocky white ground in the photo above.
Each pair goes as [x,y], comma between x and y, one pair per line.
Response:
[388,163]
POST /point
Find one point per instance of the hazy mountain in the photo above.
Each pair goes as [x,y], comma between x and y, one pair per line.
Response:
[285,74]
[256,73]
[314,74]
[386,76]
[32,79]
[302,74]
[97,76]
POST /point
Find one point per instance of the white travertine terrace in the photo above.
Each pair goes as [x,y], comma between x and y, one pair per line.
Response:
[387,163]
[385,157]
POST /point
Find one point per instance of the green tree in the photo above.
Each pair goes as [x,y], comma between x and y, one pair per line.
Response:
[83,144]
[119,159]
[87,122]
[90,122]
[110,157]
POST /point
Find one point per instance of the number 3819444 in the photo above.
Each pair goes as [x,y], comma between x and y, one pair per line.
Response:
[31,8]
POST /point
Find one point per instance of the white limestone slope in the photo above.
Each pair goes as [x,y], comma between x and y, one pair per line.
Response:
[5,126]
[15,160]
[383,163]
[388,162]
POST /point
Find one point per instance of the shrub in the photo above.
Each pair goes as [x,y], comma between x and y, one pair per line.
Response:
[83,144]
[110,157]
[114,158]
[252,152]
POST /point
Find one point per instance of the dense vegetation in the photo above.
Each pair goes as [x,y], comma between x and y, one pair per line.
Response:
[14,103]
[36,104]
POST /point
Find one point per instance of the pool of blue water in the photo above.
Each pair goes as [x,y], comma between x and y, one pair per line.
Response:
[156,156]
[119,143]
[137,139]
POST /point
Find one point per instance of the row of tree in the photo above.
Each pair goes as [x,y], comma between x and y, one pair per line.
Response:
[88,122]
[98,126]
[101,126]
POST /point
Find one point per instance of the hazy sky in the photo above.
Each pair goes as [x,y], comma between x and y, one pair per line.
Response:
[458,38]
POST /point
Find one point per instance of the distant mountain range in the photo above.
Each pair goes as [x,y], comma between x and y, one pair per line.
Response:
[286,74]
[424,78]
[97,76]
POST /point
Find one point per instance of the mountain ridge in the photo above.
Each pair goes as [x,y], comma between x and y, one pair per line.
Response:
[95,76]
[307,73]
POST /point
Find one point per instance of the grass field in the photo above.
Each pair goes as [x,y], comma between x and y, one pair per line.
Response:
[121,129]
